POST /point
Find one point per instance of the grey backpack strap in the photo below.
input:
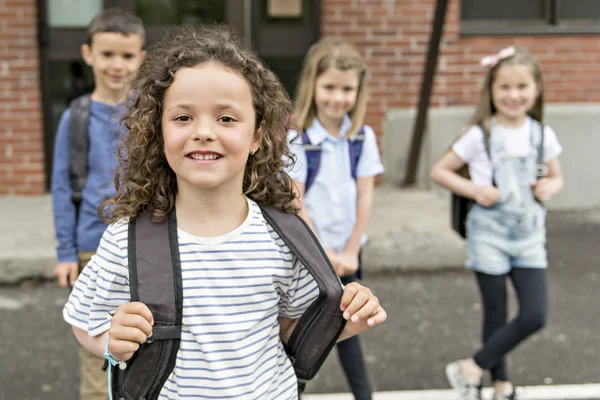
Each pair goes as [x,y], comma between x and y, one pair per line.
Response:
[320,326]
[155,280]
[79,127]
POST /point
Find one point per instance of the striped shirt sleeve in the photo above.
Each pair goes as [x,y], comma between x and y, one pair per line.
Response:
[103,284]
[300,294]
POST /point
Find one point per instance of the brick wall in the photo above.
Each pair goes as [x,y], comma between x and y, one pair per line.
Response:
[21,132]
[393,36]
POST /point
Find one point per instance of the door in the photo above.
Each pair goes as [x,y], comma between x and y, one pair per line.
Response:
[281,30]
[62,31]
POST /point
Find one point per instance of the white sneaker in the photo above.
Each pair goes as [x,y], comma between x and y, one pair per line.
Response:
[507,396]
[467,390]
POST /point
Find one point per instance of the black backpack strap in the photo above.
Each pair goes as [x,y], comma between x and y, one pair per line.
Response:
[460,205]
[487,146]
[79,127]
[155,280]
[320,326]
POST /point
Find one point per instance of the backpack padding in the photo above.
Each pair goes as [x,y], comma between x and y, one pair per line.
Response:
[158,268]
[541,170]
[155,280]
[79,128]
[321,325]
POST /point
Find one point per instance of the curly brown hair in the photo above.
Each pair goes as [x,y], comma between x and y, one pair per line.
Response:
[145,182]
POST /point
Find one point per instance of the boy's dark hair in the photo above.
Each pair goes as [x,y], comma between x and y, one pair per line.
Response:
[115,20]
[145,181]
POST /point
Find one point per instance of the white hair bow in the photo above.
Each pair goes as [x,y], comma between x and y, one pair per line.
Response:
[490,61]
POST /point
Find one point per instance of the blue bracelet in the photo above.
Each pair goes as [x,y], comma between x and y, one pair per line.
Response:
[112,362]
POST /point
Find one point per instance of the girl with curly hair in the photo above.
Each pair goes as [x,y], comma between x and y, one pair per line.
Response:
[207,138]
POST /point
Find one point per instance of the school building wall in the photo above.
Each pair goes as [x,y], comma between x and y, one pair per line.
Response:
[392,35]
[21,130]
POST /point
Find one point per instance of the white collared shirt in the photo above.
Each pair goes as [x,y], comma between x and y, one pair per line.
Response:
[331,200]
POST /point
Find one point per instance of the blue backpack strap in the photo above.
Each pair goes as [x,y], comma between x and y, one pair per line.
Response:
[313,160]
[355,145]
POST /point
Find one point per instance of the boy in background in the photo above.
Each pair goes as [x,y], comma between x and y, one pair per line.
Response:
[114,51]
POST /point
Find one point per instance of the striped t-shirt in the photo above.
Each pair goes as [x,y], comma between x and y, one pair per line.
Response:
[234,288]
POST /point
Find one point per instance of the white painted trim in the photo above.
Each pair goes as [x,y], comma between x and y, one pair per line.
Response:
[562,392]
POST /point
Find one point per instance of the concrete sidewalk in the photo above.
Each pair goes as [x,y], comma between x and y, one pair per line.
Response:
[409,230]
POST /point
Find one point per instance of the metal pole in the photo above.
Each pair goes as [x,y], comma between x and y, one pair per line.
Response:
[248,21]
[437,30]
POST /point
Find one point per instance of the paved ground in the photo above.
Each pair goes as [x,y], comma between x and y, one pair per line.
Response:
[433,318]
[409,229]
[545,392]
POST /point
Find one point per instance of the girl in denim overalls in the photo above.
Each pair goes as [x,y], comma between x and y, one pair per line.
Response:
[336,196]
[512,172]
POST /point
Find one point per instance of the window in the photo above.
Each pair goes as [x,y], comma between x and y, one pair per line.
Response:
[72,13]
[166,12]
[529,17]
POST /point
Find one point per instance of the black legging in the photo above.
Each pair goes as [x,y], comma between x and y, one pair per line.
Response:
[500,337]
[351,357]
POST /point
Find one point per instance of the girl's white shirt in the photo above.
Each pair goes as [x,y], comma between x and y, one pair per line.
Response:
[331,201]
[505,142]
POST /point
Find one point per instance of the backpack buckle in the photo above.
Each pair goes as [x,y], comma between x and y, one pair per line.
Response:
[76,197]
[541,170]
[311,147]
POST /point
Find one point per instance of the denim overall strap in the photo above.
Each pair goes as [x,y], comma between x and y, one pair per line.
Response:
[516,176]
[541,169]
[511,233]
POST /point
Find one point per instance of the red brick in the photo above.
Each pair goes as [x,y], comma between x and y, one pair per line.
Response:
[20,100]
[569,63]
[393,36]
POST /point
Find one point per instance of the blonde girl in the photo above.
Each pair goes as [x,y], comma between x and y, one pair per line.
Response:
[336,163]
[514,167]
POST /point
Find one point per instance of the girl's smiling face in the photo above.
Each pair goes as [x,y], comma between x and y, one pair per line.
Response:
[208,126]
[335,94]
[514,92]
